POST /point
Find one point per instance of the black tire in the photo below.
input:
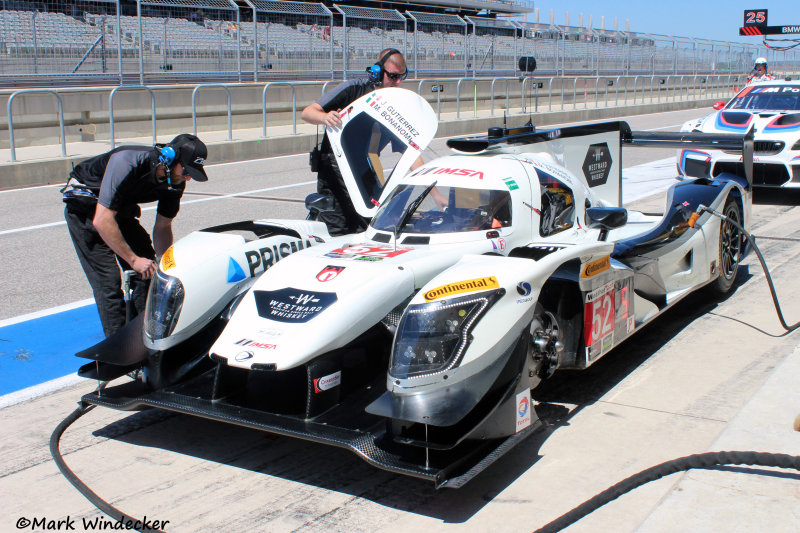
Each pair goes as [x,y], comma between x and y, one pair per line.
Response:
[730,249]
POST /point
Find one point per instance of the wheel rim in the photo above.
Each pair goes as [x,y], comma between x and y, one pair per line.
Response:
[545,326]
[731,244]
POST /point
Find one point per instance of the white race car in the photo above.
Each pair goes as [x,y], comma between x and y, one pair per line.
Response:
[417,343]
[772,110]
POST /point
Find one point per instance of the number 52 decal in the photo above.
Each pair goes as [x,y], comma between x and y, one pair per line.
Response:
[607,309]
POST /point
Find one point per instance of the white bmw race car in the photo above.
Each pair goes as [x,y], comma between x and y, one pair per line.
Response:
[772,110]
[417,344]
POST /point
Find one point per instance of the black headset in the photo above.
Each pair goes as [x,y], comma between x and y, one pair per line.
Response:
[376,71]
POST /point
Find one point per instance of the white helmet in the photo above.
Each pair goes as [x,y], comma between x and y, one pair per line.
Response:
[761,61]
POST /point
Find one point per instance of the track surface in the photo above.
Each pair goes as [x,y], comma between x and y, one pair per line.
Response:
[670,391]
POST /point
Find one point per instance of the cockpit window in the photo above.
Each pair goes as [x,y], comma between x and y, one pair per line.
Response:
[445,210]
[558,206]
[363,140]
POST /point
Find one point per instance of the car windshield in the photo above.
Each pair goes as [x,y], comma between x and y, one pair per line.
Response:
[445,210]
[768,97]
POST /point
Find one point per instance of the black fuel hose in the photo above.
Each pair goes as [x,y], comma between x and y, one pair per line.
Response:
[761,260]
[700,460]
[129,522]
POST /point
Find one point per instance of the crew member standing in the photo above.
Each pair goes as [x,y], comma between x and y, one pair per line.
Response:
[102,210]
[388,71]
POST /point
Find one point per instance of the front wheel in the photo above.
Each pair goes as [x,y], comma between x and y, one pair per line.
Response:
[730,248]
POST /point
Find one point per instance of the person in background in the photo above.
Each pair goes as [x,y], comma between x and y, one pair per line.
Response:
[102,198]
[760,72]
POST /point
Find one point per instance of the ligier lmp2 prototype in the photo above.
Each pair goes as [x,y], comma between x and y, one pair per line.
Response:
[772,109]
[417,343]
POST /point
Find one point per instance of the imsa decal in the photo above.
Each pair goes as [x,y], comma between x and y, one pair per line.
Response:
[255,344]
[468,172]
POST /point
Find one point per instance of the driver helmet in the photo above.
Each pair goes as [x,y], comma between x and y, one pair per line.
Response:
[761,61]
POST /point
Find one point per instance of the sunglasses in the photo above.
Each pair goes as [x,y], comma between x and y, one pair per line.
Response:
[397,75]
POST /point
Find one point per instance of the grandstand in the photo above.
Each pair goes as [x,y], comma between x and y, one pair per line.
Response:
[162,41]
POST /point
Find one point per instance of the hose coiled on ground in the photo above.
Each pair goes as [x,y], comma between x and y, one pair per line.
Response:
[90,495]
[700,460]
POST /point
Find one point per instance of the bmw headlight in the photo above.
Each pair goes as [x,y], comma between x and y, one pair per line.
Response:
[796,145]
[164,304]
[433,337]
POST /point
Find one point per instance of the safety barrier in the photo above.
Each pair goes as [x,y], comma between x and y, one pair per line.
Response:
[264,106]
[194,105]
[111,109]
[532,93]
[11,119]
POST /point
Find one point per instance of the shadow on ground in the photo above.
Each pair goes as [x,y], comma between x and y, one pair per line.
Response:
[338,470]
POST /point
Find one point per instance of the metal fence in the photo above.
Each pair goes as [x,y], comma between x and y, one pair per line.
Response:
[169,41]
[61,41]
[364,33]
[439,45]
[288,38]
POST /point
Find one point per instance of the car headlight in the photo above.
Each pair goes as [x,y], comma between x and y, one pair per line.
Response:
[164,304]
[796,145]
[433,337]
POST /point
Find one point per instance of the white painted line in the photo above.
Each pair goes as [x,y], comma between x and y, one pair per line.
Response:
[261,159]
[210,165]
[29,228]
[13,398]
[186,202]
[46,312]
[22,189]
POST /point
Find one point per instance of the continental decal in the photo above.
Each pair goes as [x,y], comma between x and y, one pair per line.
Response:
[595,267]
[167,260]
[459,287]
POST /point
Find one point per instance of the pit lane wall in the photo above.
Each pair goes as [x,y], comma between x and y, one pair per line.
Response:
[87,132]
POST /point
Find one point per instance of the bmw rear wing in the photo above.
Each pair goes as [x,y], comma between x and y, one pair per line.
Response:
[743,144]
[594,151]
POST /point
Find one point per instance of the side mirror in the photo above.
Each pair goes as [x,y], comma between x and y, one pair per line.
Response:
[718,105]
[317,203]
[606,219]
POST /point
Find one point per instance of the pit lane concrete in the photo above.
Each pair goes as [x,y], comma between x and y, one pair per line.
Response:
[707,375]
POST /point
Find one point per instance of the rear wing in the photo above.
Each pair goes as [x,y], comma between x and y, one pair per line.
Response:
[742,144]
[593,152]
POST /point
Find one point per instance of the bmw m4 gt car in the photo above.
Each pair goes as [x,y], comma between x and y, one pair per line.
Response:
[417,344]
[772,109]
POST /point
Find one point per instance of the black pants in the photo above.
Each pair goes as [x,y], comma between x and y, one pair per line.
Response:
[343,219]
[102,266]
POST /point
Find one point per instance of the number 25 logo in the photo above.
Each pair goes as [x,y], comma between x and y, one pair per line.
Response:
[755,17]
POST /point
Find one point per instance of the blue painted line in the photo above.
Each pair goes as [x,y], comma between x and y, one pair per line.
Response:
[41,349]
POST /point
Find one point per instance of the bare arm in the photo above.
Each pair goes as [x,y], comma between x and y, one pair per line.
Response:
[314,114]
[106,225]
[418,163]
[162,234]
